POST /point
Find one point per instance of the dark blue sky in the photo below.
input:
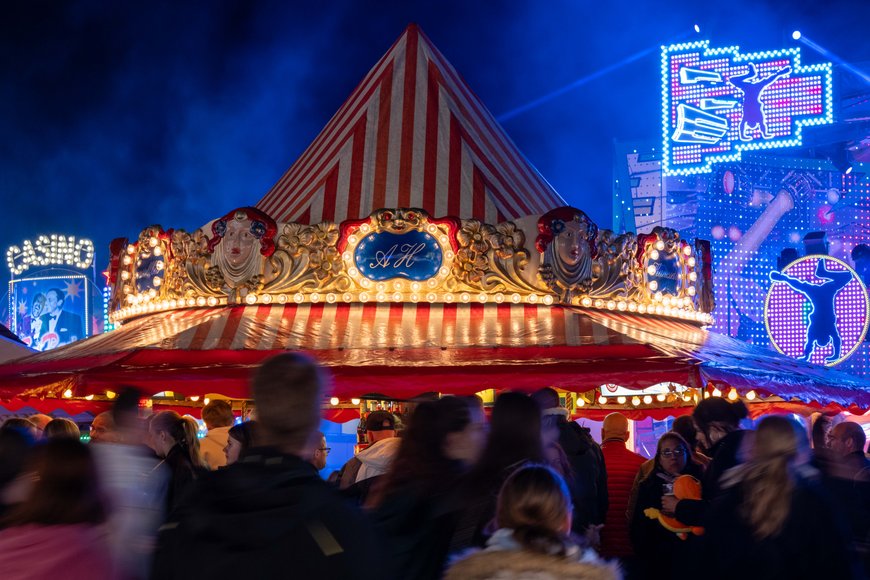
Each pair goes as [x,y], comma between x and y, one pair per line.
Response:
[118,115]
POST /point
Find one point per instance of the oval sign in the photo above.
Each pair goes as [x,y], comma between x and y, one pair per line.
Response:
[413,255]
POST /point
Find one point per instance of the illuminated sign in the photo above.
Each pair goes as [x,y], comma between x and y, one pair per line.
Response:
[47,312]
[816,310]
[717,103]
[669,266]
[413,255]
[50,250]
[612,390]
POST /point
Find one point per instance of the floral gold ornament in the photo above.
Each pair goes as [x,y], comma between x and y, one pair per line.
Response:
[403,255]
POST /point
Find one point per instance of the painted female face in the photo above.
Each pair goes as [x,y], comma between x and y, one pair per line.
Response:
[673,456]
[238,242]
[570,243]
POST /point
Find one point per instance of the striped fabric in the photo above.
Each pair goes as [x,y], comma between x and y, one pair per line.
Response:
[411,134]
[365,327]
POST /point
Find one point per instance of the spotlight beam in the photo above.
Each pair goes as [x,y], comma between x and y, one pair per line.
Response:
[579,82]
[830,55]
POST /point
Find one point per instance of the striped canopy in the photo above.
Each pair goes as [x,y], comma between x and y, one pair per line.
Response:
[402,350]
[412,134]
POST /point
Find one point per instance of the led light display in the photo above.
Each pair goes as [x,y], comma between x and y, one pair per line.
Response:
[816,310]
[718,103]
[751,212]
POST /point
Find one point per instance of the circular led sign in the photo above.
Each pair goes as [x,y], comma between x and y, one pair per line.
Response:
[816,310]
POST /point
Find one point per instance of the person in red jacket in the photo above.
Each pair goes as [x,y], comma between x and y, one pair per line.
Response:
[622,466]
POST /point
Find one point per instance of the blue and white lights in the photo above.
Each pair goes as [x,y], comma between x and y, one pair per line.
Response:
[717,103]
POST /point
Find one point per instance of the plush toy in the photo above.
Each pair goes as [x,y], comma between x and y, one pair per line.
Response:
[685,487]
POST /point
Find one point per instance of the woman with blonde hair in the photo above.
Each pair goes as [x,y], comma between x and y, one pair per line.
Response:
[61,427]
[533,540]
[774,519]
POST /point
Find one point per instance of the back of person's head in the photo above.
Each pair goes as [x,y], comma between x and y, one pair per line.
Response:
[380,424]
[535,503]
[768,477]
[61,427]
[218,413]
[514,436]
[125,410]
[16,448]
[716,416]
[20,424]
[615,426]
[66,489]
[547,398]
[40,420]
[245,434]
[191,438]
[288,390]
[685,426]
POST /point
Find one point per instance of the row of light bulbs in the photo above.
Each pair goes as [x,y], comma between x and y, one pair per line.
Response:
[334,401]
[676,307]
[145,303]
[636,400]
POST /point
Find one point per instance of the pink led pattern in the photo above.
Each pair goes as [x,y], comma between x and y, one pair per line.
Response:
[788,313]
[718,103]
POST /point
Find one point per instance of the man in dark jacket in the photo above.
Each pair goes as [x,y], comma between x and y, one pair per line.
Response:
[849,482]
[589,489]
[270,515]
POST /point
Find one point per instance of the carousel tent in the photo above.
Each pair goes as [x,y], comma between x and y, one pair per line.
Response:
[414,135]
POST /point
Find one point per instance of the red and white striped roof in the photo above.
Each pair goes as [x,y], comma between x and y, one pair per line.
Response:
[412,134]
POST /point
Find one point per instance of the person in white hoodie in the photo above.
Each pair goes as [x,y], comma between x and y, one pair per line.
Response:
[218,418]
[374,460]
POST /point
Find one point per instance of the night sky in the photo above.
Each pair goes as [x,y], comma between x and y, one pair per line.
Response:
[119,115]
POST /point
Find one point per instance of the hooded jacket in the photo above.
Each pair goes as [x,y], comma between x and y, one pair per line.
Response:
[269,515]
[504,559]
[376,459]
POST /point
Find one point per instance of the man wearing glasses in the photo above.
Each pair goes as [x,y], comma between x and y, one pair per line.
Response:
[318,458]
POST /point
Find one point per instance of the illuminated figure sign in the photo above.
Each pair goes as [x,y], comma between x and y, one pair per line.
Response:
[50,250]
[718,103]
[50,311]
[413,255]
[816,310]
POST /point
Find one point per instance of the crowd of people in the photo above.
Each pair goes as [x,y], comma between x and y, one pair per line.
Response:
[526,493]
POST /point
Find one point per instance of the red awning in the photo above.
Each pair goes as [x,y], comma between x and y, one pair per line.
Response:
[401,350]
